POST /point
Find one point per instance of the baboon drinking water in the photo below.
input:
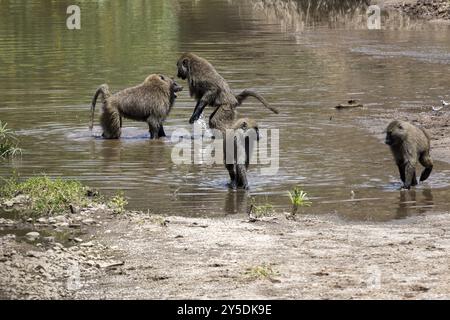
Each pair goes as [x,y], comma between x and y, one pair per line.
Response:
[409,145]
[208,87]
[150,101]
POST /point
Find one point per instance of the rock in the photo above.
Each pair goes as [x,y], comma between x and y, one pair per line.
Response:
[29,220]
[32,236]
[74,209]
[60,219]
[8,203]
[49,239]
[87,244]
[88,221]
[34,254]
[77,239]
[42,220]
[109,264]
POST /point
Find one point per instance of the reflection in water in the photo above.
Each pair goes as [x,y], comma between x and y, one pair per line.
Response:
[236,201]
[49,75]
[298,15]
[410,205]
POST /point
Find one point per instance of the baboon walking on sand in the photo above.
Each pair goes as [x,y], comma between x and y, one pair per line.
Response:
[208,87]
[409,145]
[150,101]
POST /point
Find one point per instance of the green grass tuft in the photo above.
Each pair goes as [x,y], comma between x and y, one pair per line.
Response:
[299,198]
[8,142]
[118,203]
[261,272]
[48,196]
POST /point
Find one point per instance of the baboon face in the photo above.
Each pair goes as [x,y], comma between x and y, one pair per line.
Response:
[174,86]
[395,133]
[183,67]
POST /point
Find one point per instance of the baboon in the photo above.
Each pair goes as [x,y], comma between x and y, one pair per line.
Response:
[150,101]
[409,144]
[241,138]
[208,87]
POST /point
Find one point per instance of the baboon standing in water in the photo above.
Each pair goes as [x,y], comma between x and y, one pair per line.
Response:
[409,145]
[208,87]
[151,102]
[241,137]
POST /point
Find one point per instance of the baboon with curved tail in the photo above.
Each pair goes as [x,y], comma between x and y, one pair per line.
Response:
[150,101]
[208,87]
[409,145]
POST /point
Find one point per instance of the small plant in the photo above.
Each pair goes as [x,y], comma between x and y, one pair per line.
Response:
[47,196]
[261,272]
[299,198]
[262,210]
[118,203]
[8,142]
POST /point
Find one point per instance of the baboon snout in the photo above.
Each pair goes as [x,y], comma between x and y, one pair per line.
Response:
[388,140]
[177,88]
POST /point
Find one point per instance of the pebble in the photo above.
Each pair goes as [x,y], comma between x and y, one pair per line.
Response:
[88,221]
[32,235]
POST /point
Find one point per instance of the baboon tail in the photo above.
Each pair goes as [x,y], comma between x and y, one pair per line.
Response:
[248,93]
[104,91]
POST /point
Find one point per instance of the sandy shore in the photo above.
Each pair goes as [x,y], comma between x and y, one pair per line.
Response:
[140,256]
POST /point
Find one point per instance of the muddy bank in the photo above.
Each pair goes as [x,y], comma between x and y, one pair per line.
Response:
[312,257]
[143,256]
[432,10]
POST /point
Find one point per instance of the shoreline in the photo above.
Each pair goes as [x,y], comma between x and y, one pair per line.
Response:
[437,11]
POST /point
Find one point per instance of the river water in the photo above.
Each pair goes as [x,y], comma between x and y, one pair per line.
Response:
[303,62]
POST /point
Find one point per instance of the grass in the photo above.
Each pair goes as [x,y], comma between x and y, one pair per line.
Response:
[299,198]
[261,272]
[118,203]
[47,196]
[259,211]
[8,142]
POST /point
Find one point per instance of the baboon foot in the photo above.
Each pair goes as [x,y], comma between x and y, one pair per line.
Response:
[232,185]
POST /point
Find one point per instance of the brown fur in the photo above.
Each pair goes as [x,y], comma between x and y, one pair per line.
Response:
[244,133]
[150,101]
[409,145]
[208,87]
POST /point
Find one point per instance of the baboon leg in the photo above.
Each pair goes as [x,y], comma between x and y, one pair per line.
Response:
[161,132]
[232,173]
[153,128]
[410,176]
[426,161]
[414,180]
[120,121]
[401,169]
[241,172]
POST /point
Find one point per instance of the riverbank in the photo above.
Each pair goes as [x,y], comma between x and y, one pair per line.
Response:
[431,10]
[143,256]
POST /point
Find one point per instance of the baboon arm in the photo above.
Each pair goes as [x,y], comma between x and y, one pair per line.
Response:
[401,169]
[410,175]
[427,162]
[207,98]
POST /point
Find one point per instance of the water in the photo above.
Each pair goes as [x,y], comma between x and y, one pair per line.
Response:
[303,63]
